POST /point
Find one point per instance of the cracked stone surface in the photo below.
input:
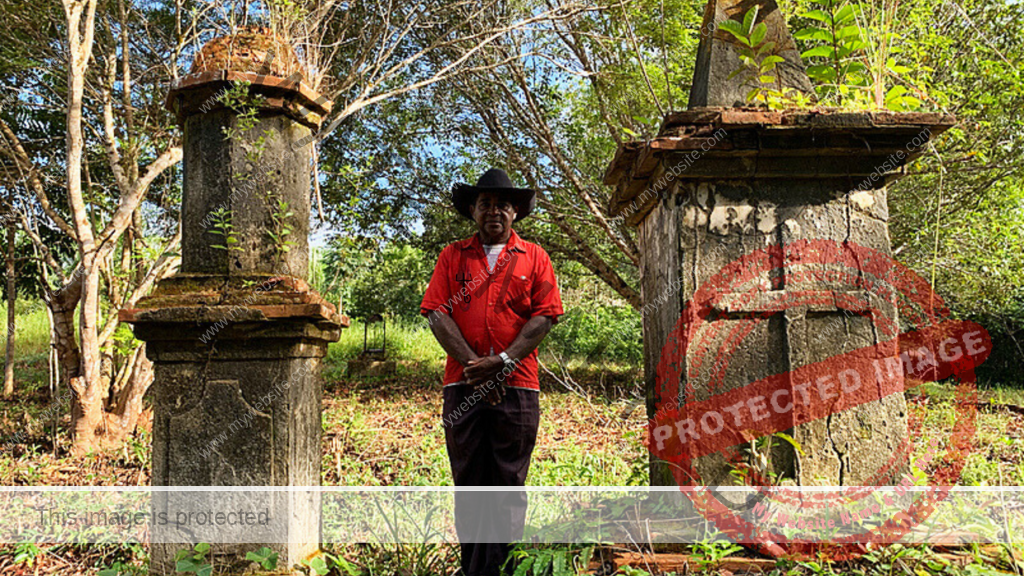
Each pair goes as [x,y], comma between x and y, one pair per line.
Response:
[698,229]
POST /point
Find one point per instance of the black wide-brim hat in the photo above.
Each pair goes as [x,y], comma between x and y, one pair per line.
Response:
[497,181]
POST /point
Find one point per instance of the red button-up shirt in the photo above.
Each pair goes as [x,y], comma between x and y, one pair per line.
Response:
[490,308]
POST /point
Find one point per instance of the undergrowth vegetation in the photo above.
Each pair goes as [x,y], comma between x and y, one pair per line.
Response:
[385,431]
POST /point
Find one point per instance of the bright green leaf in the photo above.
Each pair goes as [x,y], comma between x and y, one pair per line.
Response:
[791,441]
[821,72]
[813,33]
[749,18]
[818,15]
[733,27]
[852,31]
[892,97]
[818,51]
[523,568]
[855,44]
[757,36]
[891,65]
[736,72]
[845,14]
[558,565]
[540,564]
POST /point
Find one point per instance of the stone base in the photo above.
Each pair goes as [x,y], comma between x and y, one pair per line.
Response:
[236,402]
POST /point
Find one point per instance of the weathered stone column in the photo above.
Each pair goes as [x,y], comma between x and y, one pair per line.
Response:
[720,182]
[237,335]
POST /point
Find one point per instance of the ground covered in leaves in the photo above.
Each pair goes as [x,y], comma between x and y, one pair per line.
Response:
[387,432]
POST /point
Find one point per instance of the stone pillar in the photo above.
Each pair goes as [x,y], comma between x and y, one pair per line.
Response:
[720,182]
[237,335]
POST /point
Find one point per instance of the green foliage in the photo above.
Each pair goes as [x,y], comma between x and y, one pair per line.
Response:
[124,560]
[959,217]
[137,451]
[221,225]
[758,59]
[280,228]
[347,568]
[840,44]
[32,335]
[193,561]
[549,560]
[124,341]
[407,339]
[598,331]
[245,106]
[317,565]
[849,56]
[408,559]
[27,553]
[758,455]
[707,554]
[391,280]
[120,568]
[265,557]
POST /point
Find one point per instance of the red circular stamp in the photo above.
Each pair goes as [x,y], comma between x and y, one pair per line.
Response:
[720,417]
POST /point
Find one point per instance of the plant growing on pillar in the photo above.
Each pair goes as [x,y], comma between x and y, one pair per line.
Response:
[758,60]
[758,458]
[222,226]
[246,108]
[841,73]
[280,229]
[853,61]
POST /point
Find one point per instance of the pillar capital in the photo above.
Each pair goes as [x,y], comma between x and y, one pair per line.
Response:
[266,61]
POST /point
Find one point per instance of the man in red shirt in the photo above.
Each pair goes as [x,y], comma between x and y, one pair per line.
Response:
[491,300]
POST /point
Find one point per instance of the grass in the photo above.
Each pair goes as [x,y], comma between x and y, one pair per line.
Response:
[31,343]
[32,330]
[997,458]
[387,431]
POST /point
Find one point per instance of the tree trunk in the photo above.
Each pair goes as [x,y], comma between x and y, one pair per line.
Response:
[94,426]
[127,405]
[87,407]
[12,298]
[52,364]
[62,305]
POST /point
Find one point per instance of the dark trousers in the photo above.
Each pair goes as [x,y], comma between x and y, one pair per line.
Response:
[489,446]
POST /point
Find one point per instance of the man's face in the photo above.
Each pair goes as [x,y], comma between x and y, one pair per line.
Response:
[493,214]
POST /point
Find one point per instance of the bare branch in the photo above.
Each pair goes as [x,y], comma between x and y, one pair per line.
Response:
[31,176]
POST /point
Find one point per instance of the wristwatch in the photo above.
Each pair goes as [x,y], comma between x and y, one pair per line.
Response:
[509,362]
